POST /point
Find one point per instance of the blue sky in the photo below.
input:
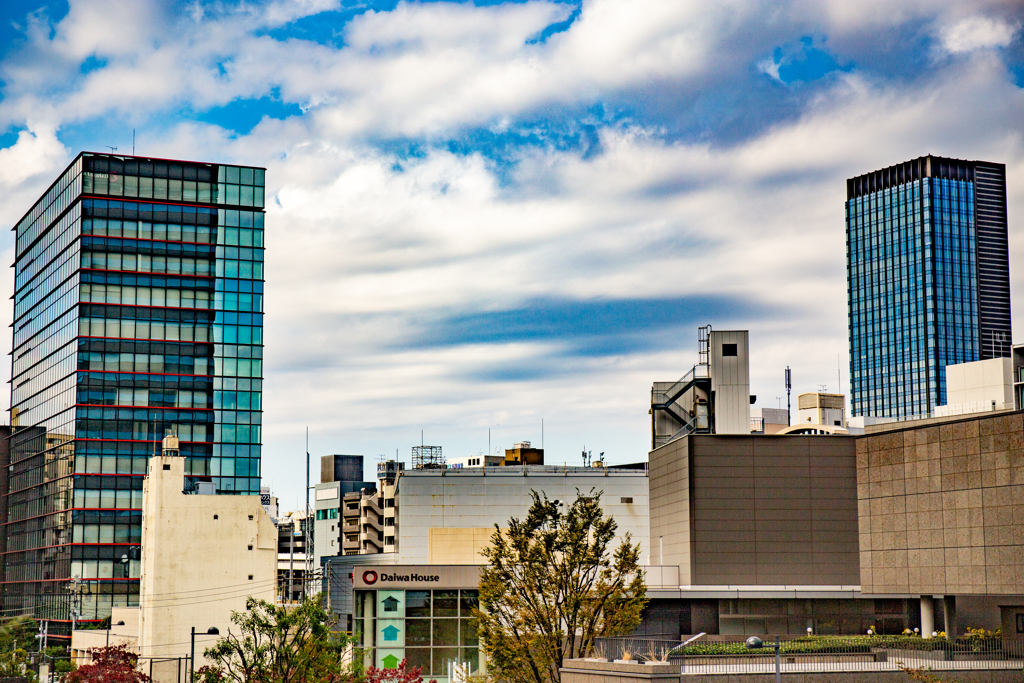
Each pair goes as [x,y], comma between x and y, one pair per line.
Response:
[486,214]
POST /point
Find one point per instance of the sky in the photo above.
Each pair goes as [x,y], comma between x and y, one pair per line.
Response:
[483,217]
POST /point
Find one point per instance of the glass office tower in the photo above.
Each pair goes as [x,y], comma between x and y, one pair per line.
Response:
[138,313]
[928,280]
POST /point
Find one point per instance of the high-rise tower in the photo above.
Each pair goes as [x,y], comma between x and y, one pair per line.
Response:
[138,313]
[928,279]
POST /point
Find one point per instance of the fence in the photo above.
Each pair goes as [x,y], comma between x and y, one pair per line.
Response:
[821,654]
[159,669]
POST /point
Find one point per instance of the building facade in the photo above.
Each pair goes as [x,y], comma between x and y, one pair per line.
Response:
[138,313]
[204,555]
[928,280]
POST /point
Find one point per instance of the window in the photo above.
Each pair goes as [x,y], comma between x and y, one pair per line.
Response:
[167,467]
[250,577]
[626,501]
[1020,622]
[250,547]
[728,349]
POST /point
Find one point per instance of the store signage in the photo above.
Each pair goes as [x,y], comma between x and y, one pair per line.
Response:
[417,576]
[410,578]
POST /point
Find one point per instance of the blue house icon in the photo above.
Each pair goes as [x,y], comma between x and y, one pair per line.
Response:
[390,633]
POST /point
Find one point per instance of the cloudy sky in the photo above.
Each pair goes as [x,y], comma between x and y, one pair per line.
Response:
[484,215]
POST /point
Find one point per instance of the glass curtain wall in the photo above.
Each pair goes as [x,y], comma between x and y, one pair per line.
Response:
[145,320]
[912,294]
[430,629]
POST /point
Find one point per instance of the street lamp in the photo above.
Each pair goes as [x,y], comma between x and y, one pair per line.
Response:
[213,631]
[755,643]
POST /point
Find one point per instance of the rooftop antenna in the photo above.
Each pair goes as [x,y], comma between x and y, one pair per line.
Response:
[112,149]
[789,388]
[822,388]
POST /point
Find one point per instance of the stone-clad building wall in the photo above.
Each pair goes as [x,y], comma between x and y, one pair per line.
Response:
[941,507]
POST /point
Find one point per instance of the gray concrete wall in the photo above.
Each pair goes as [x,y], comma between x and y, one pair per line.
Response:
[774,510]
[756,510]
[669,469]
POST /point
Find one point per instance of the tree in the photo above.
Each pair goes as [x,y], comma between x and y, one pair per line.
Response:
[114,664]
[278,645]
[19,632]
[553,585]
[399,675]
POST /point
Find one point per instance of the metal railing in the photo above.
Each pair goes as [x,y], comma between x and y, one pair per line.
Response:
[821,654]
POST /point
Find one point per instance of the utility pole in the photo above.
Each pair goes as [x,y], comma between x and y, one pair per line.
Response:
[307,536]
[291,561]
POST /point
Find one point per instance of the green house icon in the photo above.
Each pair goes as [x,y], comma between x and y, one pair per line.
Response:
[390,633]
[390,662]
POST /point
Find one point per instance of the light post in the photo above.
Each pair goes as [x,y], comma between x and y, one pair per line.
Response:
[754,643]
[213,631]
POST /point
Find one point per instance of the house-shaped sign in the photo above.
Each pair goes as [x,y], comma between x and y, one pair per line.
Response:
[390,604]
[390,633]
[390,662]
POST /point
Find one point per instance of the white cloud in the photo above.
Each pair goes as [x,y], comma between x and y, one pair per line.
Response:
[365,258]
[977,32]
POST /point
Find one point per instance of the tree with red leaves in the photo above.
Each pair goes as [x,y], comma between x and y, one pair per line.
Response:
[115,664]
[399,675]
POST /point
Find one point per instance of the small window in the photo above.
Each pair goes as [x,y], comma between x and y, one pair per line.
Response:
[250,547]
[215,516]
[728,349]
[167,467]
[250,518]
[250,577]
[626,501]
[1020,622]
[837,423]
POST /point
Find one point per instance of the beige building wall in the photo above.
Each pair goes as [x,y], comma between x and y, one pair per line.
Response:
[978,387]
[730,375]
[942,507]
[469,500]
[202,556]
[458,546]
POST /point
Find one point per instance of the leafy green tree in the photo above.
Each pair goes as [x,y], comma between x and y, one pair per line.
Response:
[20,632]
[273,644]
[12,663]
[553,584]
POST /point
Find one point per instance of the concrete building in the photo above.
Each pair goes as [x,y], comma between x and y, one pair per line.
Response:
[712,398]
[388,472]
[821,409]
[447,516]
[763,531]
[340,476]
[978,387]
[768,420]
[480,460]
[362,523]
[293,530]
[202,556]
[523,453]
[942,517]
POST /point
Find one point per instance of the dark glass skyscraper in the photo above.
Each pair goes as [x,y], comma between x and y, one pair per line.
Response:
[138,313]
[928,279]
